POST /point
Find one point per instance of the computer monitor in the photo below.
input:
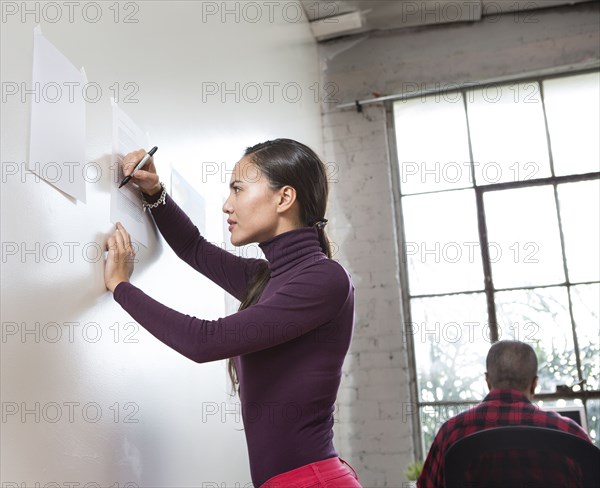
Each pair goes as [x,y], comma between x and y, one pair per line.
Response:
[576,413]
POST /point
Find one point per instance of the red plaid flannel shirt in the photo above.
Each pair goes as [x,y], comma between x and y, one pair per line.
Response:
[500,408]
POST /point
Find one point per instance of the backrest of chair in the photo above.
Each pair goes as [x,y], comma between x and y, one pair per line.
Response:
[540,439]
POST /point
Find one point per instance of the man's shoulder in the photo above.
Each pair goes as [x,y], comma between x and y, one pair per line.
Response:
[488,413]
[553,420]
[501,409]
[461,424]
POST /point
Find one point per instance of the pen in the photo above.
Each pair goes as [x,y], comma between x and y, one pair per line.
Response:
[140,165]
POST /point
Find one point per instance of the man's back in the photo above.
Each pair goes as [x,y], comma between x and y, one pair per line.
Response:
[502,407]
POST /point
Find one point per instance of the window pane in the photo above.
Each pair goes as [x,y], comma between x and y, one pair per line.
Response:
[433,416]
[442,243]
[541,318]
[574,123]
[451,338]
[586,313]
[524,239]
[593,420]
[580,218]
[508,133]
[433,145]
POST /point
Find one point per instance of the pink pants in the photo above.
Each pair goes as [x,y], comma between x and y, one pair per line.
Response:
[329,473]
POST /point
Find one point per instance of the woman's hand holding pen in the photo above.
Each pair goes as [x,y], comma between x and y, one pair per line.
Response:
[146,178]
[121,256]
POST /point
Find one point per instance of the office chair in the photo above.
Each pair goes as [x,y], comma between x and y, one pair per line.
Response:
[545,441]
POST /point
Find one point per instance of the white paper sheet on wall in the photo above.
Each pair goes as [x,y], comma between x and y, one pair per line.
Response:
[190,201]
[57,137]
[126,203]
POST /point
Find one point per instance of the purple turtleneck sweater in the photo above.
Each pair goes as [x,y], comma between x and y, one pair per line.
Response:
[288,348]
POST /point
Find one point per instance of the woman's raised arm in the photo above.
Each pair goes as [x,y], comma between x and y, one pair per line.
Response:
[225,269]
[313,298]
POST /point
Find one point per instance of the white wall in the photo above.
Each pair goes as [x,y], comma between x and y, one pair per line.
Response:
[375,422]
[168,55]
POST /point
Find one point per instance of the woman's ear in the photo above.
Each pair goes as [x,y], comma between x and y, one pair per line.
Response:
[287,197]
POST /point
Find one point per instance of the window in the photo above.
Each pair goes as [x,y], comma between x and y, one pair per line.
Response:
[498,194]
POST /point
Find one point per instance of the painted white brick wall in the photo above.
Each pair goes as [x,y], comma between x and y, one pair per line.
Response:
[370,432]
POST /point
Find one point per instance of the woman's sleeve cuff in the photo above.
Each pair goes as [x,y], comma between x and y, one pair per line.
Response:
[152,198]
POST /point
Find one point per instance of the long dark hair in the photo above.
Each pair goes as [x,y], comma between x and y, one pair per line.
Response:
[287,162]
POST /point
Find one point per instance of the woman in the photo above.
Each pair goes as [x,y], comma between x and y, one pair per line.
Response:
[287,342]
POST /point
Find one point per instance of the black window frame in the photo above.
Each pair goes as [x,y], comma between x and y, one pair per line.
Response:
[480,191]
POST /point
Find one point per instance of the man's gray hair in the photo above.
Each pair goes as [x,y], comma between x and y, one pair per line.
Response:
[512,365]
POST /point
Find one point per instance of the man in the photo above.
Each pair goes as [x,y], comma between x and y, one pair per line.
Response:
[512,378]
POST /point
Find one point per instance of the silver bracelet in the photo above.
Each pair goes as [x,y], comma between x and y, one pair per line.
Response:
[160,201]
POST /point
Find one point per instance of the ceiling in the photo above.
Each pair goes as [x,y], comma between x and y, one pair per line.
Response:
[331,19]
